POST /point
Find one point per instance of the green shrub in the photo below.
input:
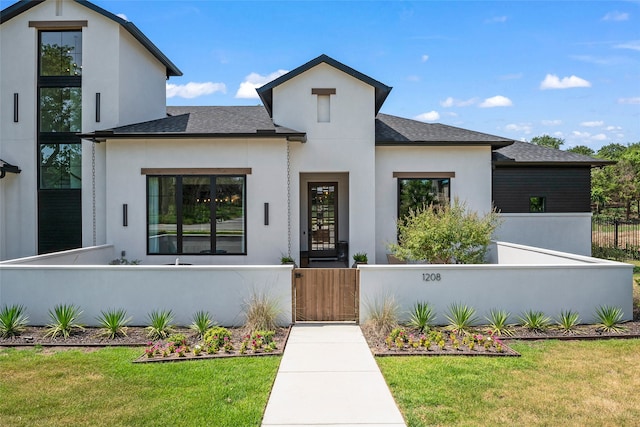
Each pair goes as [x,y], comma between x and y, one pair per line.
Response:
[113,323]
[498,323]
[535,321]
[63,320]
[461,317]
[13,321]
[422,316]
[216,336]
[177,340]
[443,234]
[160,324]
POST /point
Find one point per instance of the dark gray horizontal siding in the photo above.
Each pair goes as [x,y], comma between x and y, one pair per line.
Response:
[59,220]
[565,189]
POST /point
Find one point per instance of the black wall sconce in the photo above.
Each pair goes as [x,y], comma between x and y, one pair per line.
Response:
[15,108]
[266,214]
[125,215]
[98,107]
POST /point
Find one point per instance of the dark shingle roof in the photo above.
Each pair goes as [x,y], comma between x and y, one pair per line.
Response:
[266,92]
[201,122]
[393,130]
[24,5]
[523,153]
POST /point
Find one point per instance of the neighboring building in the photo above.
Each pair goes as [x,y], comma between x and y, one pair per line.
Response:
[316,171]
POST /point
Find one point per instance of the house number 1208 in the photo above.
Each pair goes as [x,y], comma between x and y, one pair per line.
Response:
[431,277]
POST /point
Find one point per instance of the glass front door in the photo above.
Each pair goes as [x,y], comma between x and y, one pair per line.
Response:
[323,219]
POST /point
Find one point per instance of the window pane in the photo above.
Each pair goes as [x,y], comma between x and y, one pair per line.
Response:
[60,109]
[536,204]
[60,166]
[196,214]
[230,210]
[61,53]
[415,193]
[162,215]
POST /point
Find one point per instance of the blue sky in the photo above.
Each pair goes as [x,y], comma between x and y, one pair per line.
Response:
[516,69]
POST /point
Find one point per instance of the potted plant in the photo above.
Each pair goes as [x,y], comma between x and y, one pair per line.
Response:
[359,258]
[286,259]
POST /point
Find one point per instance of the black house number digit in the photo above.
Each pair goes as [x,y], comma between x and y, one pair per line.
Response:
[431,277]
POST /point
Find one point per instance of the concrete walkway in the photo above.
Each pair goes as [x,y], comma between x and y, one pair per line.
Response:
[328,377]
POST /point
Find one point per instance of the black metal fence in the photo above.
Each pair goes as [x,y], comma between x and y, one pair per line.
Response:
[617,238]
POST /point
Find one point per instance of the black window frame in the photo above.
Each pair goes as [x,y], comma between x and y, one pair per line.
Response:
[399,188]
[178,201]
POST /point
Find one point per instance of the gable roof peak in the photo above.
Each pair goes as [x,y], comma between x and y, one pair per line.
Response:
[266,92]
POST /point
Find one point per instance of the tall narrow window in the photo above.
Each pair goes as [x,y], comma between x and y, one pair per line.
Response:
[59,148]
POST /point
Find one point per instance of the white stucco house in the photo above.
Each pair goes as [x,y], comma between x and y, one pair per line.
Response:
[91,154]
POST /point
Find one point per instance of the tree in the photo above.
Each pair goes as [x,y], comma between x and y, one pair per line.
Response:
[611,151]
[443,234]
[582,149]
[547,141]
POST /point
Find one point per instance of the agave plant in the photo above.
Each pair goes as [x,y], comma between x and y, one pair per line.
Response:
[610,318]
[461,317]
[113,323]
[567,321]
[160,325]
[535,321]
[13,321]
[422,316]
[63,320]
[201,322]
[498,322]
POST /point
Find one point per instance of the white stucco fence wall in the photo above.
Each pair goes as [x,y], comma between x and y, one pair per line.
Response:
[567,232]
[220,290]
[84,256]
[576,283]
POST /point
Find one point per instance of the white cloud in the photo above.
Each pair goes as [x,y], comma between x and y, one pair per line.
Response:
[496,19]
[452,102]
[558,134]
[599,137]
[579,134]
[413,78]
[592,124]
[633,45]
[123,16]
[612,128]
[194,90]
[551,81]
[431,116]
[634,100]
[450,114]
[552,122]
[525,128]
[615,16]
[496,101]
[248,87]
[424,58]
[599,60]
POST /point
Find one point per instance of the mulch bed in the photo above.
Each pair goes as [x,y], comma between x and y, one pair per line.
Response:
[90,338]
[583,332]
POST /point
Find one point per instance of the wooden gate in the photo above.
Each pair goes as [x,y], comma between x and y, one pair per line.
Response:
[325,294]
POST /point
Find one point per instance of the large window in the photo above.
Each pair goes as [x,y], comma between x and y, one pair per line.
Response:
[416,193]
[59,148]
[195,214]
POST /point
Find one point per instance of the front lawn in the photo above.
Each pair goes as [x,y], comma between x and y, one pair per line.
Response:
[103,388]
[553,383]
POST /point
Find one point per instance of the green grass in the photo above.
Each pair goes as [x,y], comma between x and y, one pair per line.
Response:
[553,383]
[103,388]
